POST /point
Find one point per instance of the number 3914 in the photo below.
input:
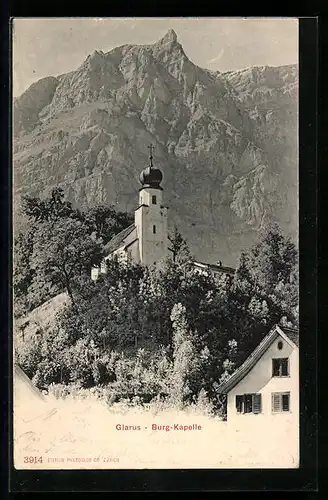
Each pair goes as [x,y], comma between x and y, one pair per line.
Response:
[32,460]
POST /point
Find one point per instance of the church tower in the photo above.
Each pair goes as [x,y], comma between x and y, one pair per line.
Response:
[151,217]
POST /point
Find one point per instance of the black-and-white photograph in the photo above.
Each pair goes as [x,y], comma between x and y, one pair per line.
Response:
[156,255]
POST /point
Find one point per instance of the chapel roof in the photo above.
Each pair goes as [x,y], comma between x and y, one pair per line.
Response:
[118,239]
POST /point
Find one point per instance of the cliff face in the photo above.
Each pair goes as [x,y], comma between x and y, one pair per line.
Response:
[226,142]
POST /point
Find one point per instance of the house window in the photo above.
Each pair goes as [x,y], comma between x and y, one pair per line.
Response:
[154,200]
[154,229]
[280,345]
[280,367]
[249,403]
[280,402]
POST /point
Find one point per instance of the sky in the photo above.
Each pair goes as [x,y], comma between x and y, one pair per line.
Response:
[53,46]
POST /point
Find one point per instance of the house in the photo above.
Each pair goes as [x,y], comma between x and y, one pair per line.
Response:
[266,385]
[216,269]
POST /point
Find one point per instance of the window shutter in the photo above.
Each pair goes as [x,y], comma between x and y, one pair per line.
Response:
[276,402]
[275,368]
[257,407]
[285,402]
[239,403]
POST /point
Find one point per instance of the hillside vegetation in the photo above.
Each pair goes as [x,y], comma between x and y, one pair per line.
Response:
[142,333]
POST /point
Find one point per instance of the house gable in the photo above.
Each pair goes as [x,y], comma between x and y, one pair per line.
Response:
[261,377]
[275,333]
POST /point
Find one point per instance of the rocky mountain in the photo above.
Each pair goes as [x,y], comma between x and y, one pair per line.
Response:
[226,142]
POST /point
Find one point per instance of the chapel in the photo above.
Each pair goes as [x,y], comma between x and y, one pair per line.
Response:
[146,240]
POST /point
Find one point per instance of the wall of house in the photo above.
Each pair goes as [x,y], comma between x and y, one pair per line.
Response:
[95,272]
[260,380]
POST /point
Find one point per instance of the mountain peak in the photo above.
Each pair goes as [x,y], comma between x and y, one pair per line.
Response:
[169,37]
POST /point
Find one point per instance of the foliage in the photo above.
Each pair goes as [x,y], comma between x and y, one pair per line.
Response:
[65,250]
[105,221]
[23,273]
[172,334]
[273,259]
[55,226]
[28,354]
[51,208]
[178,247]
[184,358]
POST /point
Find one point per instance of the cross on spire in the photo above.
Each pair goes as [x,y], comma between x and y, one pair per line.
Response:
[151,149]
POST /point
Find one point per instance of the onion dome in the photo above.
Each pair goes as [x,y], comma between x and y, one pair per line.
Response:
[151,176]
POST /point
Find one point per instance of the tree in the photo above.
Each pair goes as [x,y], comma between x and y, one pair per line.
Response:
[264,290]
[230,362]
[65,250]
[53,207]
[179,247]
[34,283]
[105,221]
[184,358]
[23,273]
[273,259]
[243,280]
[31,286]
[114,309]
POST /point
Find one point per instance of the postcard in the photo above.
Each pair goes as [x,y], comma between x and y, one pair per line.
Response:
[155,280]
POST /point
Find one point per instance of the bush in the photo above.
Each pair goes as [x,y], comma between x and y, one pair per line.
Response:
[139,380]
[203,405]
[83,361]
[74,391]
[48,372]
[28,355]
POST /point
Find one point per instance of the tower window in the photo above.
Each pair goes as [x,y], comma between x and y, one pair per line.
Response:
[154,229]
[154,200]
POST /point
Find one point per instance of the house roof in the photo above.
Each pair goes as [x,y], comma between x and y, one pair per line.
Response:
[214,267]
[26,384]
[118,239]
[290,335]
